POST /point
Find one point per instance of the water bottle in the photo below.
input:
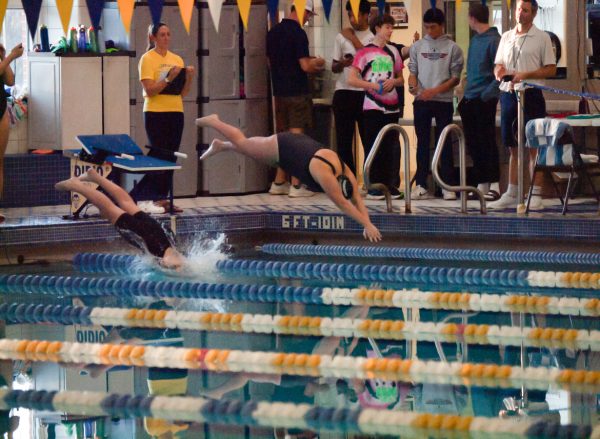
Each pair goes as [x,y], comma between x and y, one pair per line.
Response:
[44,39]
[73,40]
[100,40]
[82,39]
[92,39]
[584,107]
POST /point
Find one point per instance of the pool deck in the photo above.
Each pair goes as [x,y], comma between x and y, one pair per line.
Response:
[263,212]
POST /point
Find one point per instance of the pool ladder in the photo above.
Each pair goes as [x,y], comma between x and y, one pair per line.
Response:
[463,188]
[405,153]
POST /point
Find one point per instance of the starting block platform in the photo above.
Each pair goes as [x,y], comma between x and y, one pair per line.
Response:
[103,152]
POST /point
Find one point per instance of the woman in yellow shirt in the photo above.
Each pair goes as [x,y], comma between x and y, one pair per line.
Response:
[166,81]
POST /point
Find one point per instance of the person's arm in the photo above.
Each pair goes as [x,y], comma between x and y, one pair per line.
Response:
[350,35]
[152,87]
[355,80]
[312,64]
[189,76]
[355,208]
[456,66]
[5,69]
[541,73]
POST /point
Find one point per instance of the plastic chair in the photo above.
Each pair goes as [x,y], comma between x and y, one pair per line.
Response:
[557,152]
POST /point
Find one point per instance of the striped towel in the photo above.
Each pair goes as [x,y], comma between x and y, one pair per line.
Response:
[545,135]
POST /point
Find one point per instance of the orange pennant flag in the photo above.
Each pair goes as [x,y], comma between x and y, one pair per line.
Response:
[300,6]
[458,4]
[3,5]
[65,7]
[508,3]
[186,7]
[126,12]
[354,5]
[244,7]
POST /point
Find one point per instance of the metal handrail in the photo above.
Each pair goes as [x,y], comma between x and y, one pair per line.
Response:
[369,161]
[463,188]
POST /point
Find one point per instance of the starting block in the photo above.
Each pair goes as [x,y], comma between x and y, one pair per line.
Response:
[119,151]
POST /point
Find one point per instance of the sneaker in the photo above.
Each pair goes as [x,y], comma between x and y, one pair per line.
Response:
[449,195]
[419,193]
[375,194]
[536,203]
[300,191]
[280,188]
[505,202]
[396,194]
[150,208]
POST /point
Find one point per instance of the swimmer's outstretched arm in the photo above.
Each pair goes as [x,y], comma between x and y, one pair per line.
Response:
[355,209]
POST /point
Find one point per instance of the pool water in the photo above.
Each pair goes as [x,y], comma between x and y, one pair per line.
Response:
[371,357]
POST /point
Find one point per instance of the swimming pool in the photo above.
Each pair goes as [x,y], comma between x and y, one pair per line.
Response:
[261,342]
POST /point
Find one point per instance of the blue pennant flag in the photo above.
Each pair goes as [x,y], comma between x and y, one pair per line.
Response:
[432,4]
[381,6]
[32,10]
[483,2]
[327,7]
[156,7]
[272,7]
[95,10]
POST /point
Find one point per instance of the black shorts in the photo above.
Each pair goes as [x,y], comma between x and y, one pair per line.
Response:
[143,232]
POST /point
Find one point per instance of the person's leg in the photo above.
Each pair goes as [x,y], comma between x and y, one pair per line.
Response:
[491,159]
[4,133]
[372,121]
[346,115]
[121,197]
[107,208]
[422,118]
[392,155]
[468,110]
[259,148]
[169,141]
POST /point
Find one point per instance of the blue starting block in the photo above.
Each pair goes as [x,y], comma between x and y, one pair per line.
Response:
[104,152]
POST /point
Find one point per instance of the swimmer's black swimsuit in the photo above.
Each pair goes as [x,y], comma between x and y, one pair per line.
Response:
[145,227]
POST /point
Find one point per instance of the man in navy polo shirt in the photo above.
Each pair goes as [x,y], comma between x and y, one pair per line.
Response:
[290,63]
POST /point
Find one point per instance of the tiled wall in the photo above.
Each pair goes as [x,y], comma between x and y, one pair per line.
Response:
[29,180]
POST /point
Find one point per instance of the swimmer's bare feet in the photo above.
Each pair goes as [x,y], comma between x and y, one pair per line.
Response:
[90,175]
[207,121]
[66,185]
[216,147]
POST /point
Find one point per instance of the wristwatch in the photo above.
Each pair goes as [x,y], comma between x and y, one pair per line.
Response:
[167,80]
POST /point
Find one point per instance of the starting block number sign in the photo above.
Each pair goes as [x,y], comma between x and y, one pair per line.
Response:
[79,167]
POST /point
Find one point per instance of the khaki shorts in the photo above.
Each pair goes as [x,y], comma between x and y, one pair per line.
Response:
[293,112]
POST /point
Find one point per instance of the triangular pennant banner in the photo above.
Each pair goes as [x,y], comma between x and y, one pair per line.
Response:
[354,6]
[244,7]
[432,4]
[65,7]
[508,3]
[458,4]
[3,5]
[215,6]
[186,7]
[381,6]
[126,13]
[327,8]
[156,7]
[32,10]
[300,9]
[95,10]
[483,2]
[272,7]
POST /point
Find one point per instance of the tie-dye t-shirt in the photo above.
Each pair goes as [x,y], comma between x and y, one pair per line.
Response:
[378,64]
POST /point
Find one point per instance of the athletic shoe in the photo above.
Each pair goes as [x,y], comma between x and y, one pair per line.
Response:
[449,195]
[504,202]
[396,194]
[280,188]
[375,194]
[536,203]
[419,193]
[300,191]
[150,208]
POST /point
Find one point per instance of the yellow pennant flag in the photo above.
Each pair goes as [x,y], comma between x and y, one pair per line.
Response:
[64,11]
[354,6]
[186,7]
[126,13]
[300,6]
[244,7]
[508,3]
[3,5]
[458,4]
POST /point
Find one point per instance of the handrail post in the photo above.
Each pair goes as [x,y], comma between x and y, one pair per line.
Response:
[463,188]
[405,153]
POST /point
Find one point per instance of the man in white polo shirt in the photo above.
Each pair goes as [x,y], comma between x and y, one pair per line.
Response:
[524,54]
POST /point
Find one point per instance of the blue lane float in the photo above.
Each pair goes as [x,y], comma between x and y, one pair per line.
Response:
[107,263]
[434,254]
[83,286]
[377,273]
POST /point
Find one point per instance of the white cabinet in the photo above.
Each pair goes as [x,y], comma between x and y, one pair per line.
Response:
[74,95]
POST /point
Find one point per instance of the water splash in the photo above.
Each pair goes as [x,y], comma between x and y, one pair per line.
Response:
[202,254]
